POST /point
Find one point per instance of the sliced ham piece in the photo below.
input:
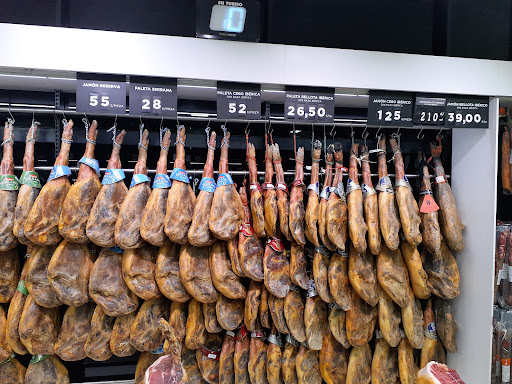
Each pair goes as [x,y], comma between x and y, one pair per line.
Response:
[199,234]
[152,225]
[435,373]
[102,220]
[28,192]
[42,225]
[227,209]
[257,203]
[181,201]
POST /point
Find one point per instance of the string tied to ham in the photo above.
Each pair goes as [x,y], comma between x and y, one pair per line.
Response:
[32,126]
[162,133]
[247,130]
[113,129]
[178,140]
[398,150]
[87,125]
[224,131]
[64,123]
[207,130]
[10,123]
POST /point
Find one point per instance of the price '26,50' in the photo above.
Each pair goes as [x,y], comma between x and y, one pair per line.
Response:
[301,111]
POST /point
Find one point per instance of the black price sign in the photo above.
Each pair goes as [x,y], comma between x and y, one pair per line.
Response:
[390,109]
[96,95]
[153,97]
[429,110]
[235,102]
[309,106]
[467,112]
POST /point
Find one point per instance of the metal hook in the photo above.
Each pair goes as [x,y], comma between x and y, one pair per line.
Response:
[398,131]
[141,123]
[377,134]
[12,117]
[439,133]
[352,132]
[247,130]
[333,134]
[419,133]
[161,123]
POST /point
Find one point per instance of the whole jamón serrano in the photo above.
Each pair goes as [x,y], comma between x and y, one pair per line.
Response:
[139,271]
[333,359]
[8,198]
[145,333]
[320,269]
[227,210]
[337,326]
[226,361]
[276,268]
[276,306]
[241,359]
[252,305]
[371,205]
[431,231]
[283,204]
[13,372]
[105,210]
[443,274]
[189,361]
[36,278]
[324,197]
[178,316]
[294,314]
[74,331]
[167,273]
[48,371]
[357,227]
[360,321]
[297,212]
[269,195]
[407,205]
[362,274]
[337,210]
[9,274]
[257,204]
[5,349]
[195,335]
[313,205]
[250,248]
[298,266]
[222,274]
[417,275]
[42,225]
[195,273]
[199,234]
[181,200]
[388,212]
[339,282]
[209,366]
[78,203]
[234,256]
[445,324]
[120,339]
[274,357]
[407,367]
[288,361]
[359,365]
[152,225]
[257,366]
[264,311]
[389,319]
[28,192]
[315,318]
[384,364]
[210,318]
[393,276]
[12,334]
[412,321]
[127,231]
[308,366]
[230,313]
[449,220]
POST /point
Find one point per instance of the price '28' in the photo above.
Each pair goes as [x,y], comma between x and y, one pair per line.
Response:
[146,104]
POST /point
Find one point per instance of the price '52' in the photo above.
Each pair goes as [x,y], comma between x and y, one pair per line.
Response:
[240,108]
[388,115]
[93,100]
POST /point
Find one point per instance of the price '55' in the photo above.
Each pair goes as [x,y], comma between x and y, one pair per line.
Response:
[93,100]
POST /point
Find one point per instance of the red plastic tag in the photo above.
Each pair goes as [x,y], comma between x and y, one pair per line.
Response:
[212,355]
[267,186]
[255,187]
[275,244]
[247,229]
[283,187]
[429,205]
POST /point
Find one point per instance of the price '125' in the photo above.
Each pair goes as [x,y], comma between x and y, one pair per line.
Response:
[388,115]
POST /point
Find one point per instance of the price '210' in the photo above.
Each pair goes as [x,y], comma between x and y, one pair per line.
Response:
[388,115]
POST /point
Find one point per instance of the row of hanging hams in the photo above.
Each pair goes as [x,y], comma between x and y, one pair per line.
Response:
[329,271]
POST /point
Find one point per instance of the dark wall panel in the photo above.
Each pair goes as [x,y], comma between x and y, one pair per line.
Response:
[35,12]
[397,26]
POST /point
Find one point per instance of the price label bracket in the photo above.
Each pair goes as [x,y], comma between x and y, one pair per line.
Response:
[153,97]
[315,105]
[464,112]
[238,101]
[101,94]
[390,109]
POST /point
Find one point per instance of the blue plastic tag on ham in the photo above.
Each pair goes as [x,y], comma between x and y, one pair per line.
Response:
[180,175]
[207,184]
[59,171]
[224,179]
[139,178]
[326,192]
[112,176]
[314,187]
[159,350]
[93,163]
[116,249]
[162,181]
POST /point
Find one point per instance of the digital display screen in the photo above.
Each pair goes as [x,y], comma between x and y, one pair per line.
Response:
[227,19]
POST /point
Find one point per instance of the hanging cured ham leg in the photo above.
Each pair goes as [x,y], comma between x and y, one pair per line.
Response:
[371,205]
[181,201]
[227,208]
[324,197]
[195,273]
[449,220]
[428,213]
[297,213]
[257,204]
[249,246]
[78,203]
[356,225]
[269,194]
[42,225]
[222,274]
[407,205]
[388,213]
[152,225]
[283,204]
[9,186]
[337,215]
[102,220]
[29,189]
[199,234]
[127,232]
[313,206]
[276,268]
